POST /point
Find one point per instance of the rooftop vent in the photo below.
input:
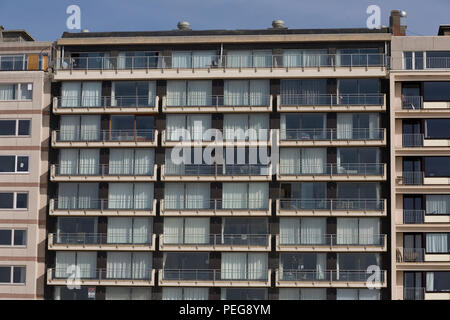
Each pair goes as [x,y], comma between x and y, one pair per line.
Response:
[278,24]
[183,25]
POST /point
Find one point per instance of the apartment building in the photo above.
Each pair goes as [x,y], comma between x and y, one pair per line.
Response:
[420,118]
[129,220]
[24,138]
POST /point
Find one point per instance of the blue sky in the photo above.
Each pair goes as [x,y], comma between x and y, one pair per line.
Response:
[46,19]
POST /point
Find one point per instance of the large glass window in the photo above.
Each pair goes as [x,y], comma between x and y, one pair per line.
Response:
[243,294]
[129,127]
[137,59]
[359,57]
[186,266]
[13,237]
[438,281]
[438,59]
[13,164]
[13,200]
[438,243]
[437,128]
[304,92]
[436,91]
[303,126]
[359,92]
[133,93]
[437,166]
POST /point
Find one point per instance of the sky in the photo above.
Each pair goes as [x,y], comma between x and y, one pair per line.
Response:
[45,20]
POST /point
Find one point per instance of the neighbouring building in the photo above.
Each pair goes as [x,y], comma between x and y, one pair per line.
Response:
[24,144]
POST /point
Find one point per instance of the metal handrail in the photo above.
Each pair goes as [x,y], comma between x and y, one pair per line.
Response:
[214,275]
[106,101]
[412,102]
[413,216]
[347,169]
[413,139]
[216,170]
[327,275]
[236,100]
[413,254]
[415,293]
[104,135]
[332,134]
[117,273]
[332,204]
[413,177]
[102,170]
[334,240]
[217,239]
[101,204]
[214,204]
[115,238]
[225,61]
[356,99]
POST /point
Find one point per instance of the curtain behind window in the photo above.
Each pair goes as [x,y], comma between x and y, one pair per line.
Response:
[7,91]
[91,94]
[70,94]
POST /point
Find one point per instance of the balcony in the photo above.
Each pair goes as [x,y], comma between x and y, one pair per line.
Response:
[217,242]
[417,181]
[413,293]
[332,137]
[419,145]
[331,207]
[104,139]
[101,277]
[102,172]
[219,103]
[102,207]
[420,293]
[218,172]
[223,66]
[331,102]
[413,216]
[213,278]
[416,107]
[333,243]
[333,172]
[419,256]
[99,242]
[106,104]
[328,278]
[257,140]
[217,207]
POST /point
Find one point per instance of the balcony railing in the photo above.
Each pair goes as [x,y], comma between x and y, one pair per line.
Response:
[334,240]
[413,177]
[426,63]
[218,239]
[217,170]
[13,63]
[413,254]
[412,102]
[106,101]
[216,204]
[333,169]
[373,99]
[101,204]
[229,100]
[102,170]
[413,216]
[332,134]
[327,275]
[201,135]
[413,140]
[332,204]
[224,61]
[413,293]
[101,238]
[88,273]
[214,275]
[104,135]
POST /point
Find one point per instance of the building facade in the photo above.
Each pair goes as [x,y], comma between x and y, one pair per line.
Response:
[420,86]
[24,137]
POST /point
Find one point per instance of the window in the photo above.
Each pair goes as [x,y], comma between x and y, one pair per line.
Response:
[194,59]
[249,58]
[438,59]
[413,60]
[246,92]
[130,127]
[13,62]
[137,59]
[243,294]
[184,293]
[13,164]
[359,92]
[304,92]
[81,94]
[12,274]
[437,166]
[190,93]
[303,126]
[437,128]
[438,242]
[436,91]
[15,91]
[133,93]
[438,281]
[12,237]
[13,200]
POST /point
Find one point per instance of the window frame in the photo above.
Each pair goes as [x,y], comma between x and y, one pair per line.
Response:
[12,240]
[15,199]
[11,275]
[16,164]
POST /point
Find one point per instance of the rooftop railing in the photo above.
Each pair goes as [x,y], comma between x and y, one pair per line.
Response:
[332,204]
[224,61]
[331,134]
[333,169]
